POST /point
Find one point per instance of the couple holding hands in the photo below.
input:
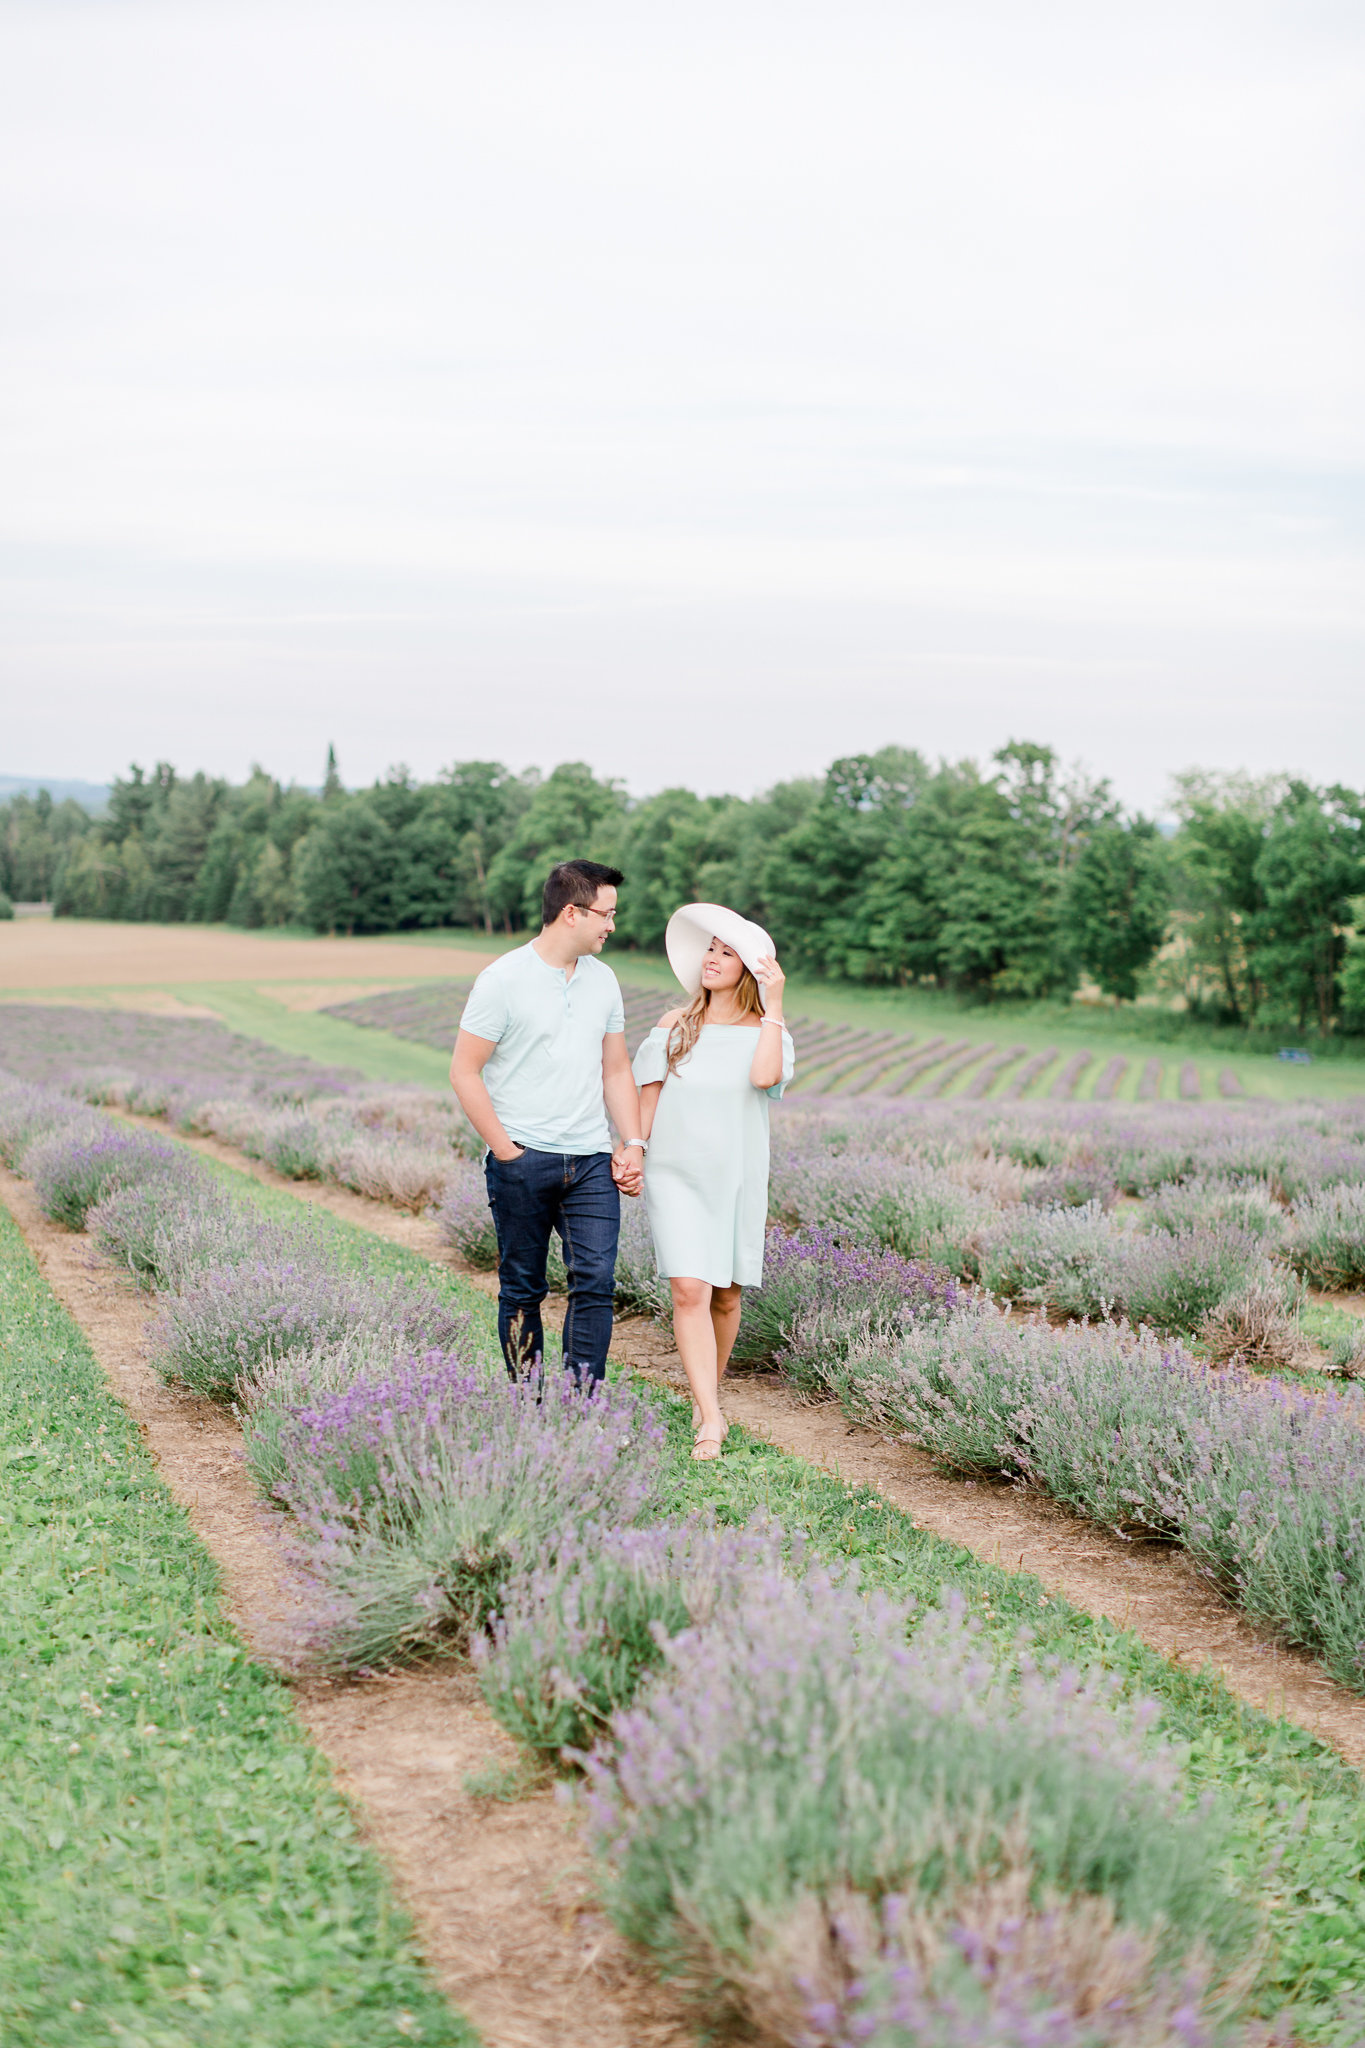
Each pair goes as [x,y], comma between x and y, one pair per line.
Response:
[539,1065]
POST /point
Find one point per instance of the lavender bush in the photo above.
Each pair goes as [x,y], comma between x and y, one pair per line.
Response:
[1077,1262]
[1174,1282]
[577,1635]
[1346,1352]
[421,1491]
[995,1968]
[919,1211]
[640,1289]
[78,1163]
[1326,1240]
[136,1227]
[1066,1259]
[1257,1326]
[284,1386]
[798,1761]
[1074,1183]
[465,1220]
[28,1113]
[818,1296]
[409,1172]
[1247,1205]
[1264,1485]
[229,1321]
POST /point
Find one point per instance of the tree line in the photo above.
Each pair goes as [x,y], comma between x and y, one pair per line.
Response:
[1012,879]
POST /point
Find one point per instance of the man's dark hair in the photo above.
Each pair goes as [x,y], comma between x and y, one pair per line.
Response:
[576,882]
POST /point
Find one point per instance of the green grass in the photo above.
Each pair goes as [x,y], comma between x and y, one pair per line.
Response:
[1299,1815]
[176,1866]
[376,1054]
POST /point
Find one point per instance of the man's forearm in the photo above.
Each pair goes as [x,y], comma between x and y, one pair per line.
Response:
[471,1092]
[623,1103]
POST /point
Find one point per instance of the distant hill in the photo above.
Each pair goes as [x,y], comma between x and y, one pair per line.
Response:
[92,795]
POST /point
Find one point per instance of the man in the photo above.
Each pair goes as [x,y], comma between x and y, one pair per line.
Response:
[539,1062]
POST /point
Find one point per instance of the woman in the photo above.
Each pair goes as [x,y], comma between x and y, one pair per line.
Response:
[705,1073]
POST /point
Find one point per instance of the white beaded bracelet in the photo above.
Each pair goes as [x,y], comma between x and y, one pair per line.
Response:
[775,1020]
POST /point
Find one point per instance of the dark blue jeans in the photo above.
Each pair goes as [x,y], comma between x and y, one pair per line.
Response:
[530,1197]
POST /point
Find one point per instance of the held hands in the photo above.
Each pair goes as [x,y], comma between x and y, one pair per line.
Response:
[628,1169]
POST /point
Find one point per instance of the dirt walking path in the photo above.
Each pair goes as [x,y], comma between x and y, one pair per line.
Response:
[1154,1589]
[500,1892]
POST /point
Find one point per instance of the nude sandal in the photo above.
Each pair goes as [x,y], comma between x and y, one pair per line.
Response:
[707,1444]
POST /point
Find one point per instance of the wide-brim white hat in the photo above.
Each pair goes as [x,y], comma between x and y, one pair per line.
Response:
[691,930]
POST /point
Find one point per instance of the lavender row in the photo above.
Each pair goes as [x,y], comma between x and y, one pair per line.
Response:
[982,1194]
[1262,1483]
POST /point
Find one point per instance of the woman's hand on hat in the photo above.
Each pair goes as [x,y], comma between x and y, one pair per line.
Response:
[772,981]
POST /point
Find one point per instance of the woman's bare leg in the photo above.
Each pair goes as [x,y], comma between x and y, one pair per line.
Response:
[696,1340]
[725,1307]
[726,1303]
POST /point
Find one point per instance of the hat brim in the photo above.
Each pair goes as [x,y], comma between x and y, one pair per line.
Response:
[691,930]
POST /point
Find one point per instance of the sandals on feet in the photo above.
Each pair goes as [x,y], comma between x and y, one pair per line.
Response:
[707,1444]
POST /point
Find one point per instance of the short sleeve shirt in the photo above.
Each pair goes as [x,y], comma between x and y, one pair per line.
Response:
[545,1076]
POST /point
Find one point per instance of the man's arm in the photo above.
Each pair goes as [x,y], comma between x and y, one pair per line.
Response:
[467,1063]
[623,1107]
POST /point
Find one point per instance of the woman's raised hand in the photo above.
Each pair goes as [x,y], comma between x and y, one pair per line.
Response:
[772,981]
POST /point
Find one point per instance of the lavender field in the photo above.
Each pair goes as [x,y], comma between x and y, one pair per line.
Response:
[855,1820]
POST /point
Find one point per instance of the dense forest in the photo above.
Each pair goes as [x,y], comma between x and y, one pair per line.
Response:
[1012,880]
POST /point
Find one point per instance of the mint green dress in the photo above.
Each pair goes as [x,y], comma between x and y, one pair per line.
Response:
[706,1170]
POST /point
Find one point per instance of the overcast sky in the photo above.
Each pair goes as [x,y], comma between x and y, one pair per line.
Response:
[700,391]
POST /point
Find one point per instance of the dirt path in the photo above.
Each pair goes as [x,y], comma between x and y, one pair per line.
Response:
[500,1892]
[1153,1589]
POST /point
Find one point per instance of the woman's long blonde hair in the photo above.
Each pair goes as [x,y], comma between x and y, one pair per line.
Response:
[686,1031]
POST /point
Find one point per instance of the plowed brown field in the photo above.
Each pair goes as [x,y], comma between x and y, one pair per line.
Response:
[39,954]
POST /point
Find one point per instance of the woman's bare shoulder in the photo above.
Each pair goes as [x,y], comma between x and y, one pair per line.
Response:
[668,1020]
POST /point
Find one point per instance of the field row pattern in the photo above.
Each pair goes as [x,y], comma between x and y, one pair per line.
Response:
[832,1059]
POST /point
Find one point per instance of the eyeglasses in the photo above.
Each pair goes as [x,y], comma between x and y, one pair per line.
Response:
[595,911]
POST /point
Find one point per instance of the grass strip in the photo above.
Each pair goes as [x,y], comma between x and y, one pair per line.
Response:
[1299,1817]
[176,1865]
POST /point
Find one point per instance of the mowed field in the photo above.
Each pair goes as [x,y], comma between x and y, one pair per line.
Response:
[388,1007]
